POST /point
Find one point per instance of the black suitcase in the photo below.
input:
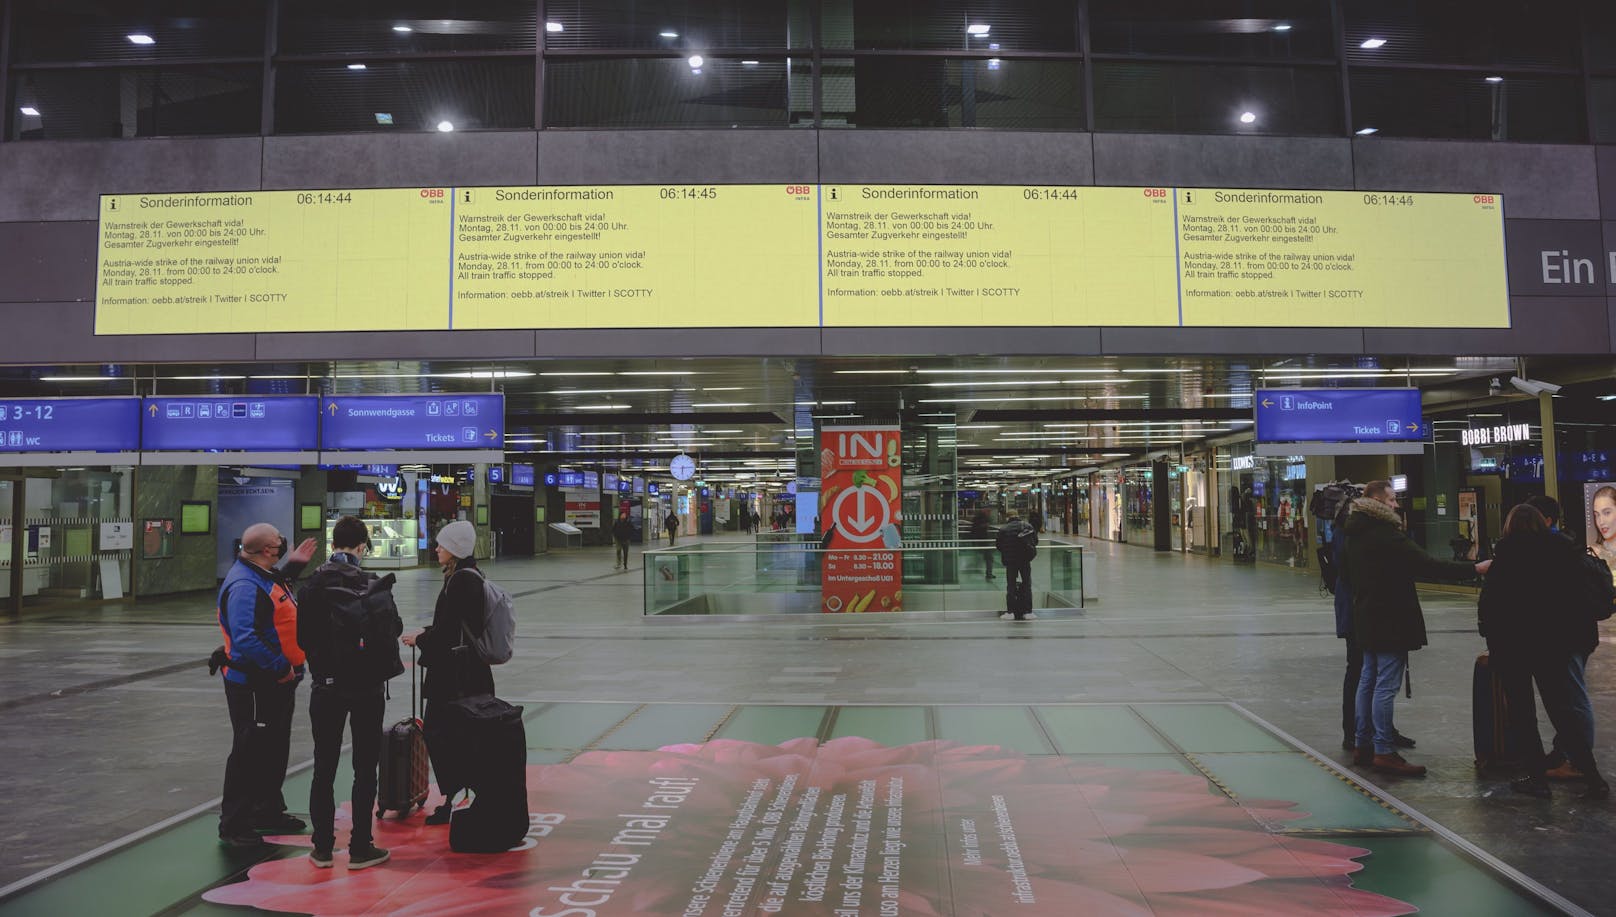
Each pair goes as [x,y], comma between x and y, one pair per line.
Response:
[1020,599]
[1490,712]
[401,781]
[491,731]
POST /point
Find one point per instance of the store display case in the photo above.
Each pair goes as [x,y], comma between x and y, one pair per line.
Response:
[392,543]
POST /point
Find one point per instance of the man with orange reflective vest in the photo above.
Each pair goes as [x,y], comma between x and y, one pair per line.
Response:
[263,666]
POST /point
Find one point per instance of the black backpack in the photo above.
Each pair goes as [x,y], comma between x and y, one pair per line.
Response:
[364,631]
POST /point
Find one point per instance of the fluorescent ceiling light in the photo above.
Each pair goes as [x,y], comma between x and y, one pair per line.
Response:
[30,111]
[736,430]
[870,372]
[605,391]
[141,38]
[600,407]
[1247,117]
[402,29]
[668,33]
[1283,27]
[695,61]
[749,63]
[485,374]
[445,126]
[653,372]
[552,26]
[599,433]
[935,372]
[1366,131]
[82,379]
[1372,43]
[1163,370]
[1495,79]
[202,378]
[1115,454]
[993,63]
[723,404]
[356,66]
[723,388]
[978,29]
[578,374]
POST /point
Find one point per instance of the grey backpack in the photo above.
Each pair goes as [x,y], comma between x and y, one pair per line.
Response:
[498,640]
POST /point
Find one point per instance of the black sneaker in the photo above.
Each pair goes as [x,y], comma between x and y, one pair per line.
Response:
[242,841]
[320,858]
[1531,786]
[1402,741]
[366,856]
[284,823]
[440,815]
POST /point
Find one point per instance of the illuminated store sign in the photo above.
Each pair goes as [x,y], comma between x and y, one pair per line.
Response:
[1492,436]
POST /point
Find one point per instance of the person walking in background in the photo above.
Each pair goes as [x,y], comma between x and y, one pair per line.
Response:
[671,525]
[453,668]
[1382,563]
[622,534]
[980,532]
[1529,615]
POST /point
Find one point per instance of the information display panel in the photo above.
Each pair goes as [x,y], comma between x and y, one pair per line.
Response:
[644,256]
[412,422]
[69,424]
[983,255]
[1369,259]
[348,260]
[1338,415]
[227,423]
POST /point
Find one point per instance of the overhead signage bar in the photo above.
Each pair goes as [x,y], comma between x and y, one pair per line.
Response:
[105,428]
[416,423]
[227,423]
[1340,421]
[653,256]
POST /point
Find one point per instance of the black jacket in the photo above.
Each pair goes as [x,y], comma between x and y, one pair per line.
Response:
[314,610]
[623,530]
[1017,542]
[1382,563]
[453,670]
[1528,607]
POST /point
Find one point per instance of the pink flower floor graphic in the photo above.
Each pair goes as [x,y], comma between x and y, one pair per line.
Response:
[848,827]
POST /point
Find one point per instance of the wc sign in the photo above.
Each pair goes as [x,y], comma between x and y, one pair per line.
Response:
[861,507]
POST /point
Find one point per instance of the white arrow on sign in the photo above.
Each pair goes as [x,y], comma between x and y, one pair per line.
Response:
[855,522]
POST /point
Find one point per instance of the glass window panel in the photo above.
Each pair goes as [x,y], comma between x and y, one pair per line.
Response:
[412,26]
[1523,32]
[1213,28]
[677,25]
[1604,109]
[935,92]
[489,94]
[100,30]
[665,92]
[1206,99]
[137,102]
[1012,25]
[1460,104]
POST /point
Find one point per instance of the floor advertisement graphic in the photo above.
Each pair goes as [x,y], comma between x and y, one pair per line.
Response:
[858,811]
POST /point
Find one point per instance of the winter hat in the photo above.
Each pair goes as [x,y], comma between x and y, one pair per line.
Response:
[458,538]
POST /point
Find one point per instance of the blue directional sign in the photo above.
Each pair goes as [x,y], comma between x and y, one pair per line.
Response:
[69,424]
[1339,415]
[230,423]
[496,474]
[362,422]
[522,475]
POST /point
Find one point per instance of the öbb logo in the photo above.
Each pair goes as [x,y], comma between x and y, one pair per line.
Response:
[430,193]
[799,189]
[1484,199]
[1156,192]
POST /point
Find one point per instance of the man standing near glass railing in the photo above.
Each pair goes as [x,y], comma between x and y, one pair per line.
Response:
[1018,545]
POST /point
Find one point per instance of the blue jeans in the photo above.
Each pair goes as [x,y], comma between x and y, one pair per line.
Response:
[1581,707]
[1377,691]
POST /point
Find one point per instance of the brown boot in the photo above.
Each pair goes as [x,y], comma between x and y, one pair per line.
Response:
[1394,764]
[1566,771]
[1363,755]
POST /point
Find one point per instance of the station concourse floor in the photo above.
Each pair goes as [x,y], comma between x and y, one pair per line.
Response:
[1188,668]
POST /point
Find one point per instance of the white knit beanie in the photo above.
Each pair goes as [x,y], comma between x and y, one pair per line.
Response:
[458,538]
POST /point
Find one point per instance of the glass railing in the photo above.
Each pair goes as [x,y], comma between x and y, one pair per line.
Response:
[782,576]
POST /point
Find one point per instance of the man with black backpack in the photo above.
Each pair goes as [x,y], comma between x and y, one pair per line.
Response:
[1018,545]
[349,626]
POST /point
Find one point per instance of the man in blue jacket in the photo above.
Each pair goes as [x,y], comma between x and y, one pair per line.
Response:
[263,664]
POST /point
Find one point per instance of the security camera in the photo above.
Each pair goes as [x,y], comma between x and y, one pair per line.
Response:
[1533,386]
[1495,387]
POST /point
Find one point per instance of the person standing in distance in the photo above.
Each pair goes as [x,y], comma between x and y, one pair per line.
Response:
[348,687]
[1387,623]
[1018,545]
[453,668]
[263,664]
[622,533]
[671,524]
[1583,641]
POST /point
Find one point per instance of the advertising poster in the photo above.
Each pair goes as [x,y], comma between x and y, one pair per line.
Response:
[1470,522]
[1600,498]
[583,508]
[861,506]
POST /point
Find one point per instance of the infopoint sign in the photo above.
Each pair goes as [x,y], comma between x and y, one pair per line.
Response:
[1380,415]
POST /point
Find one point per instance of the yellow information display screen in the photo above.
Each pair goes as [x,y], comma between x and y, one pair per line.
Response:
[796,256]
[908,255]
[1370,259]
[273,261]
[729,256]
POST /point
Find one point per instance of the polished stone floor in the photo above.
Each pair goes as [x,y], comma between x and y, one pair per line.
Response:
[112,727]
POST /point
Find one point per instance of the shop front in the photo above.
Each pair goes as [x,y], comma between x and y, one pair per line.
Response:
[1263,506]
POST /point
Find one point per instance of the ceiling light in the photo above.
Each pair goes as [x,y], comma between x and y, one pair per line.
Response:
[650,372]
[723,404]
[141,38]
[695,61]
[1366,131]
[578,374]
[723,388]
[978,29]
[484,374]
[597,433]
[1115,454]
[204,378]
[383,117]
[553,26]
[870,372]
[30,111]
[669,33]
[993,63]
[737,430]
[1247,117]
[82,379]
[356,66]
[600,407]
[445,126]
[749,63]
[605,391]
[402,29]
[1371,44]
[1495,79]
[1283,27]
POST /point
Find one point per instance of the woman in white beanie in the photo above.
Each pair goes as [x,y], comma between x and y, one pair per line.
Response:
[453,669]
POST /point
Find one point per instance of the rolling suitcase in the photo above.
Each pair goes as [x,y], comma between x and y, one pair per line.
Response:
[1490,711]
[491,730]
[401,783]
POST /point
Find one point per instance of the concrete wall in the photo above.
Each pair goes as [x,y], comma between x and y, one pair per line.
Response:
[1553,194]
[158,492]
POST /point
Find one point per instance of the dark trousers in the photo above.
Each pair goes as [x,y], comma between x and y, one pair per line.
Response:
[987,562]
[1021,570]
[622,554]
[260,744]
[440,749]
[1349,691]
[1554,686]
[329,711]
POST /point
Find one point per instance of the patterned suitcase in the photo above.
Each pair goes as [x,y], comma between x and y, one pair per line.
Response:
[401,784]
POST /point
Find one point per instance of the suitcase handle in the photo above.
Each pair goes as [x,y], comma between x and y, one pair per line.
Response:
[415,675]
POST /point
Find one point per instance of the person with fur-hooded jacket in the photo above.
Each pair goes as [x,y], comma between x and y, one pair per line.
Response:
[1382,563]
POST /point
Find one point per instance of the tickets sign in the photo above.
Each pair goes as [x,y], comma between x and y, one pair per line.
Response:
[861,506]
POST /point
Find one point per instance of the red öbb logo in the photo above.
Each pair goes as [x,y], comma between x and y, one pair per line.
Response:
[432,192]
[1484,199]
[799,189]
[1155,192]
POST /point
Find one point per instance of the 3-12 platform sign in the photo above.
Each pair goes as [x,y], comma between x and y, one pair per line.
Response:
[861,505]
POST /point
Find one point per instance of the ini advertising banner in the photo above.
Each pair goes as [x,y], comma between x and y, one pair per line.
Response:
[861,507]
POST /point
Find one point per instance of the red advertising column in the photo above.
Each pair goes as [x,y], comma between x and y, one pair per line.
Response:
[861,506]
